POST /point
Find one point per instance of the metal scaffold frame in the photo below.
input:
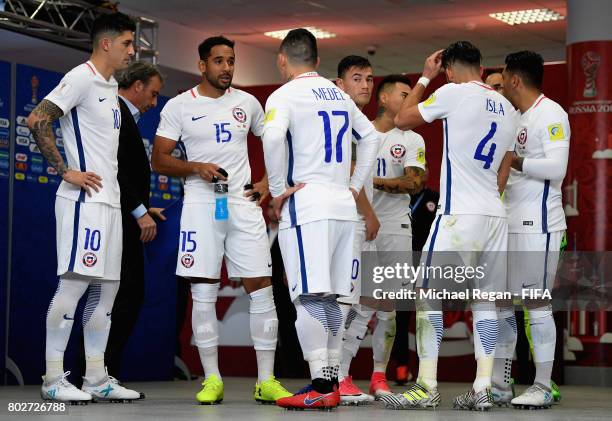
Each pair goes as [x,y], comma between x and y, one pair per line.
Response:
[69,22]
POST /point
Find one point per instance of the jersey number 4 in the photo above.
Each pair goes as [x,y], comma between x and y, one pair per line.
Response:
[479,154]
[328,135]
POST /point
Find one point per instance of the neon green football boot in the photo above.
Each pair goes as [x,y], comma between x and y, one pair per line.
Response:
[269,391]
[212,391]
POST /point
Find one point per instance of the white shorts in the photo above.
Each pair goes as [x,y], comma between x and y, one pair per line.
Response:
[241,238]
[318,256]
[533,260]
[481,242]
[359,244]
[89,239]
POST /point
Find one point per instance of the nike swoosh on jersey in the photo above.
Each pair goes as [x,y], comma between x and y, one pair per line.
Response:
[294,287]
[527,286]
[108,314]
[101,99]
[194,118]
[67,318]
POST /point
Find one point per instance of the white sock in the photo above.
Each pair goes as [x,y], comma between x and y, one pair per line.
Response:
[264,330]
[205,326]
[430,329]
[60,318]
[382,339]
[504,350]
[356,327]
[96,327]
[485,327]
[543,337]
[210,361]
[337,312]
[312,327]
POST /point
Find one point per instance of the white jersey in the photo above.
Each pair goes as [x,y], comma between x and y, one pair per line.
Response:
[214,130]
[398,150]
[534,205]
[319,120]
[479,128]
[90,127]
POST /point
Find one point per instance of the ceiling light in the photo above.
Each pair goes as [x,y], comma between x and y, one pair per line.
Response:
[317,32]
[527,16]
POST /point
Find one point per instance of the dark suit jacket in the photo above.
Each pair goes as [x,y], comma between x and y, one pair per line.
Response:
[134,173]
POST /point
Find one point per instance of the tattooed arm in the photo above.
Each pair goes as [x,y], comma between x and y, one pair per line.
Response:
[411,182]
[40,122]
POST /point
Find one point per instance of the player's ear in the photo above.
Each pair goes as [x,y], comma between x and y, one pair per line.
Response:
[202,66]
[105,43]
[340,83]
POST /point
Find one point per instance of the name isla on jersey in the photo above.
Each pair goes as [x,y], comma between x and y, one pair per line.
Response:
[494,107]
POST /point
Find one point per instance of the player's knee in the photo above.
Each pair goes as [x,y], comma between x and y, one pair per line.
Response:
[204,292]
[540,312]
[535,305]
[262,301]
[254,284]
[364,311]
[386,315]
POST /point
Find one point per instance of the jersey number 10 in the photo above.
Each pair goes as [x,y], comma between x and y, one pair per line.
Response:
[328,135]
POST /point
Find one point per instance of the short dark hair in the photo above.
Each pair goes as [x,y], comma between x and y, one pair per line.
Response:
[112,23]
[352,61]
[300,47]
[138,70]
[391,80]
[207,45]
[463,52]
[529,65]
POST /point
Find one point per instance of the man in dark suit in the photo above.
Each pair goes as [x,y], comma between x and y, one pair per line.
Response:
[139,87]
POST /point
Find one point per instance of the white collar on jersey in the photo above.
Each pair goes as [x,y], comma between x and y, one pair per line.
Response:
[307,74]
[133,110]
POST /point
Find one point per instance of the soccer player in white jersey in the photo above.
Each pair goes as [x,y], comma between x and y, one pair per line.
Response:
[219,217]
[356,79]
[87,208]
[479,132]
[307,139]
[536,223]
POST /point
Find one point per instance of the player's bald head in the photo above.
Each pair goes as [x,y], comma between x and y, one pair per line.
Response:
[300,48]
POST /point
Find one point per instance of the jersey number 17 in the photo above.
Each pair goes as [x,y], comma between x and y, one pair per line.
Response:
[328,135]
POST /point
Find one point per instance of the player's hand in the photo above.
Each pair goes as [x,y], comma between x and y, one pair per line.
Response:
[517,162]
[85,180]
[156,214]
[210,172]
[277,202]
[355,193]
[148,228]
[433,65]
[372,226]
[257,192]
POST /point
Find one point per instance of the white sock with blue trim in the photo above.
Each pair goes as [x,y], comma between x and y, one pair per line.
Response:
[60,318]
[96,327]
[312,327]
[485,326]
[504,350]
